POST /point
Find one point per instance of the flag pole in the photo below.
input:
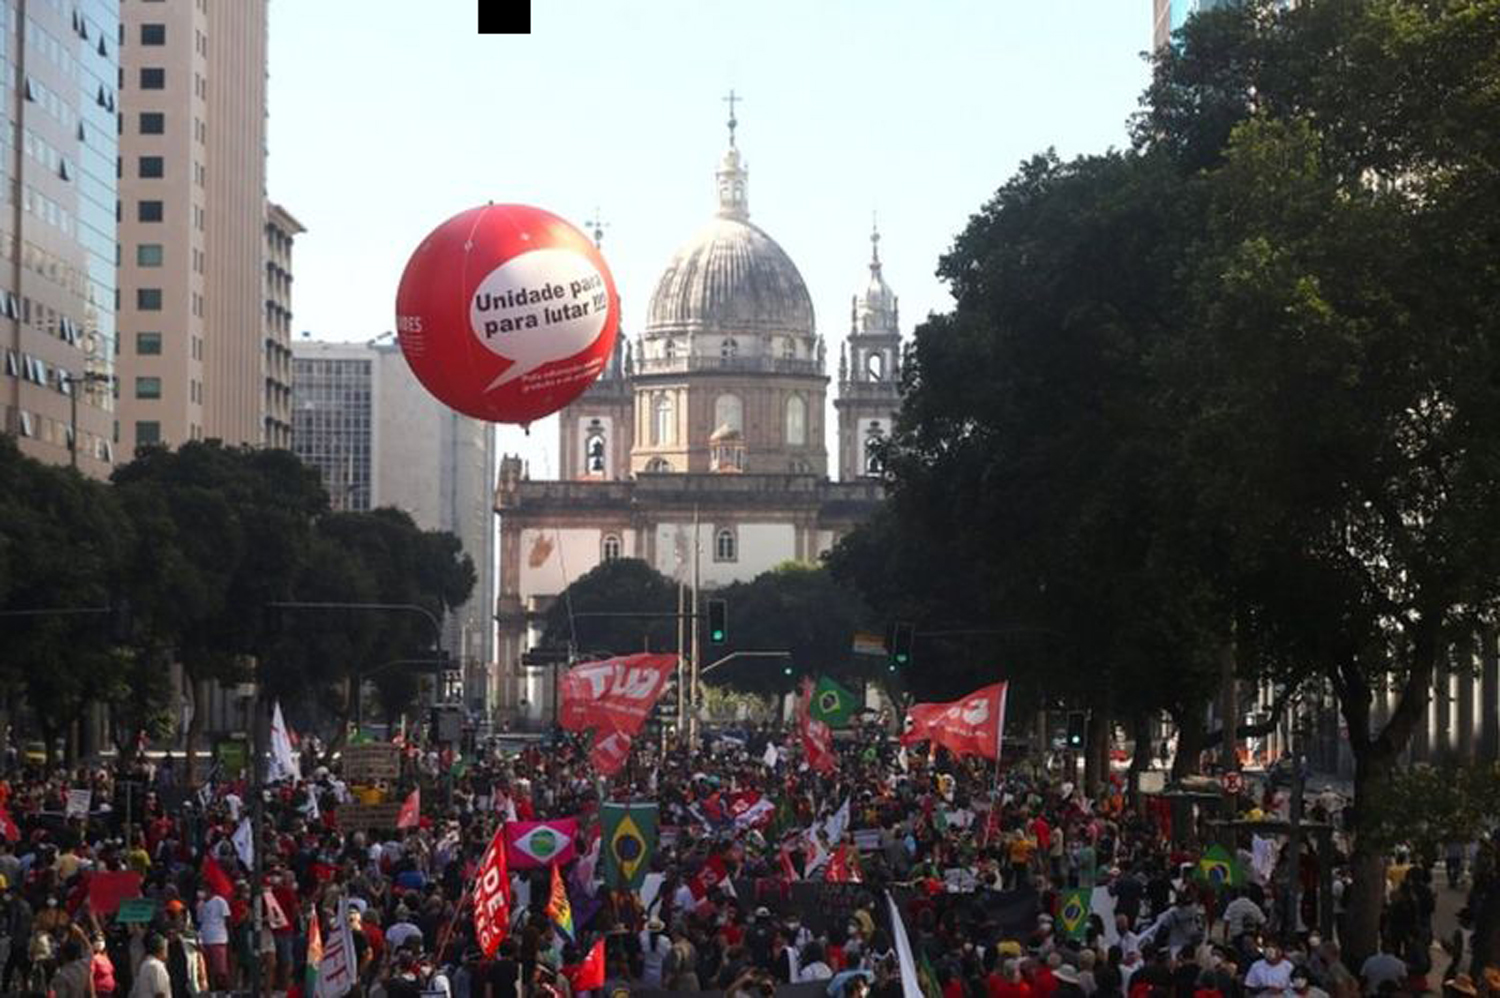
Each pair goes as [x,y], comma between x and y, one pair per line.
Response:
[463,899]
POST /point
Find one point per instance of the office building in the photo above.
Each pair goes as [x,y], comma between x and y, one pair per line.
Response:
[1169,15]
[59,65]
[193,282]
[276,417]
[379,439]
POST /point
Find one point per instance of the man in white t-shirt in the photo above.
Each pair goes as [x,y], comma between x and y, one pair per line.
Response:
[152,980]
[213,934]
[1271,974]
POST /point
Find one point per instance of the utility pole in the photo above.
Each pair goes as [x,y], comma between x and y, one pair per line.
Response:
[73,381]
[693,693]
[681,675]
[257,822]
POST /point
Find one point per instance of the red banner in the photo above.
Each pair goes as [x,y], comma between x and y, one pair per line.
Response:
[973,725]
[107,889]
[492,896]
[613,695]
[817,739]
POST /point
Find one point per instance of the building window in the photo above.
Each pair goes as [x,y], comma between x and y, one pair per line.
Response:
[151,167]
[153,78]
[729,411]
[153,123]
[147,388]
[148,344]
[148,211]
[789,348]
[153,34]
[148,254]
[669,349]
[612,547]
[658,465]
[875,366]
[796,421]
[725,546]
[148,299]
[147,431]
[663,429]
[729,349]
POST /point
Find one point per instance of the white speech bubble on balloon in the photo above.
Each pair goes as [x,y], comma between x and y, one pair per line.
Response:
[539,307]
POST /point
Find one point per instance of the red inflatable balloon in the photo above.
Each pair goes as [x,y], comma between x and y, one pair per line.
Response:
[507,313]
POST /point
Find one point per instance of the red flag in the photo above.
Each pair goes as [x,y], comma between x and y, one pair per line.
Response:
[615,694]
[713,873]
[411,812]
[843,867]
[973,725]
[107,889]
[609,752]
[492,896]
[817,739]
[215,879]
[8,826]
[589,974]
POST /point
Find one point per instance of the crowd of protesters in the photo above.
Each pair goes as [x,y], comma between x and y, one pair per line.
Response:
[979,860]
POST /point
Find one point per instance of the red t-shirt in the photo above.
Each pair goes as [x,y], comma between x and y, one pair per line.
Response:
[999,987]
[1043,983]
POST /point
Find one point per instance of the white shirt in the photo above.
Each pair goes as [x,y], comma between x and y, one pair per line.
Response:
[213,925]
[1264,977]
[815,971]
[397,935]
[152,980]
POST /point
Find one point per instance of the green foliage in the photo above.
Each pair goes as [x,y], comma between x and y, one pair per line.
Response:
[1425,807]
[623,585]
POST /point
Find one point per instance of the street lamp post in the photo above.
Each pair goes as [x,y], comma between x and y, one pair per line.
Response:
[73,381]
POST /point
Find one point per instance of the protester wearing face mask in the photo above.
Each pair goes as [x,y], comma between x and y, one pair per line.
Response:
[102,968]
[1271,974]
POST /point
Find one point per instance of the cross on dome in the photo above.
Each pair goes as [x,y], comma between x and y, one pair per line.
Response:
[731,100]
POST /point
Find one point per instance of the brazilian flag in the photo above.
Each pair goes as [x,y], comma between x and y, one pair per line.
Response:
[1073,912]
[629,840]
[831,703]
[1219,869]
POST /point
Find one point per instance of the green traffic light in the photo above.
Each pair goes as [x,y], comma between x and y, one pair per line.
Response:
[787,670]
[900,659]
[717,636]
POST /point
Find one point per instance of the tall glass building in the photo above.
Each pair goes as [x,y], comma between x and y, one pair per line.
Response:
[59,68]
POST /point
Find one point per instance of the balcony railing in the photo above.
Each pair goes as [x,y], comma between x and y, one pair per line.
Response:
[728,365]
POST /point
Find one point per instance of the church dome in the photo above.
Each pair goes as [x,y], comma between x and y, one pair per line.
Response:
[730,278]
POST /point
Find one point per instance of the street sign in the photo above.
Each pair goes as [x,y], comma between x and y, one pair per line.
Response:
[1232,782]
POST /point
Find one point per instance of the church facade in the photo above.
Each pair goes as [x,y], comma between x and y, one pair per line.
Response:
[703,441]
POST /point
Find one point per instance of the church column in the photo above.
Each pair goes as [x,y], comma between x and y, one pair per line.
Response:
[1489,696]
[1464,663]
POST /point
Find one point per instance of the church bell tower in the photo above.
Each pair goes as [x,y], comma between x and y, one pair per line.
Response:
[869,374]
[595,430]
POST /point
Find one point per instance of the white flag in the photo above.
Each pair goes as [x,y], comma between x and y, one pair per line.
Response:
[283,763]
[337,972]
[771,757]
[78,803]
[910,987]
[837,824]
[244,843]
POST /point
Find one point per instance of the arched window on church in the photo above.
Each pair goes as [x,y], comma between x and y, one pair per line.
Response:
[725,545]
[659,466]
[874,439]
[875,366]
[669,349]
[664,426]
[594,449]
[796,421]
[729,411]
[611,547]
[789,348]
[729,349]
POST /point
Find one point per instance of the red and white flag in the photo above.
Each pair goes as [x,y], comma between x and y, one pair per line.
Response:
[974,725]
[615,694]
[817,739]
[411,812]
[750,809]
[609,752]
[713,873]
[492,896]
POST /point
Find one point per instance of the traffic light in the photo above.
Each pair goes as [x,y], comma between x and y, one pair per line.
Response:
[901,641]
[1077,723]
[718,622]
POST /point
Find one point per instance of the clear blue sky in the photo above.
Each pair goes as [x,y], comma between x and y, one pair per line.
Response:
[388,116]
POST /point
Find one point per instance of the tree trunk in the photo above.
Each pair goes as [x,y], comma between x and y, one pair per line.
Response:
[1360,930]
[1192,737]
[49,740]
[1096,752]
[1140,759]
[194,688]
